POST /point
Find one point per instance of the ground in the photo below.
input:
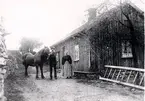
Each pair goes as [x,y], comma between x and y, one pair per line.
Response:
[19,88]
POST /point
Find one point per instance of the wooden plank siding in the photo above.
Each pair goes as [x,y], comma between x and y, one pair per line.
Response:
[107,36]
[83,64]
[101,41]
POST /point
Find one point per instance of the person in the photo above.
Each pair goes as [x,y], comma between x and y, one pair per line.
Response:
[52,63]
[67,65]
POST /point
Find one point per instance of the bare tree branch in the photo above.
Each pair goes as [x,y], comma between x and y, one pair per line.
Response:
[121,23]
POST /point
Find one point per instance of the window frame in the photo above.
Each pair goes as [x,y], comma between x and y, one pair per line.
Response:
[126,49]
[76,52]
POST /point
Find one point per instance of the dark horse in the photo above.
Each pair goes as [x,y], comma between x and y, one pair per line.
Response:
[36,60]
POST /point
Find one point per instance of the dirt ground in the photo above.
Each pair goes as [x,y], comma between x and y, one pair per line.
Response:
[19,88]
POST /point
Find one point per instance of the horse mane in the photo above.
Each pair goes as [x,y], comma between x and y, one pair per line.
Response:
[42,50]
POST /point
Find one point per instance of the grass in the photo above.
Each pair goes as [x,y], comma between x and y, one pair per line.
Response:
[12,84]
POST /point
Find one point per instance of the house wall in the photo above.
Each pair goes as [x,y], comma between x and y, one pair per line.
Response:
[107,36]
[103,45]
[83,64]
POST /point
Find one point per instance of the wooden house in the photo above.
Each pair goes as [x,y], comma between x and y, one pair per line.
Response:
[107,40]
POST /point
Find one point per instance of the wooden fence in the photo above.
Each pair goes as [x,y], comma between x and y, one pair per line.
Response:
[128,76]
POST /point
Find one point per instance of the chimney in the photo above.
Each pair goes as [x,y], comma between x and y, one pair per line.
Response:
[91,14]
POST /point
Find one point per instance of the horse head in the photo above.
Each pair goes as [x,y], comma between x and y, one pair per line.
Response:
[45,53]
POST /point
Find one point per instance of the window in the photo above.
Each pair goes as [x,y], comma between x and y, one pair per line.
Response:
[58,59]
[76,53]
[126,49]
[126,22]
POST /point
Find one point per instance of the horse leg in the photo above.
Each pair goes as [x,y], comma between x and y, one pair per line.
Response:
[41,68]
[37,72]
[26,67]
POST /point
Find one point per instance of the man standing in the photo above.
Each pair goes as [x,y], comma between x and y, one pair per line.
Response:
[52,63]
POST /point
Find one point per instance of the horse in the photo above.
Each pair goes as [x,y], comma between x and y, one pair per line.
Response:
[37,60]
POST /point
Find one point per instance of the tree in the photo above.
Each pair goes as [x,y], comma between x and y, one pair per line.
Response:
[3,31]
[29,44]
[124,22]
[136,32]
[129,21]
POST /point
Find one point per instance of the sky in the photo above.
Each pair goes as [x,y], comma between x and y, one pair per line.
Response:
[47,20]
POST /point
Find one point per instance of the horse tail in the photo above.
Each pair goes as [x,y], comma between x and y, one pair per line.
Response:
[24,58]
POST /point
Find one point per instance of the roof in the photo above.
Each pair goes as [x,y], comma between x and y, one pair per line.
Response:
[90,24]
[73,33]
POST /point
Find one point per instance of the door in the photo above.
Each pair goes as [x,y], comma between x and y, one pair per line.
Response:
[58,59]
[63,51]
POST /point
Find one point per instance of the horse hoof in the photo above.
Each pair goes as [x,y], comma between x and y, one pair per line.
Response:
[26,76]
[50,78]
[37,77]
[43,77]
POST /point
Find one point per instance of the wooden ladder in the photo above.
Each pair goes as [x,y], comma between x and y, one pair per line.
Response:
[128,76]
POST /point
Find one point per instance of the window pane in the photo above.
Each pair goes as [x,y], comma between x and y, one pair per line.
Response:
[76,53]
[126,49]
